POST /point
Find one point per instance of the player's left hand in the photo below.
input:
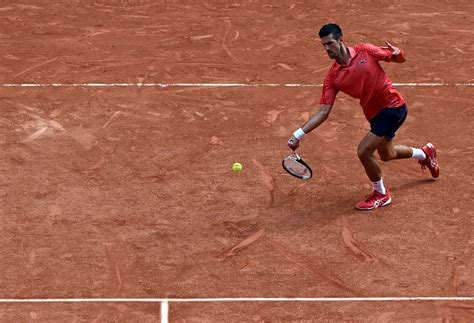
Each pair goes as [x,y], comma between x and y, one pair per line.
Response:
[395,50]
[293,143]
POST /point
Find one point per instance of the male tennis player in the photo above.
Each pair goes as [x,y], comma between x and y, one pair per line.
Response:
[356,71]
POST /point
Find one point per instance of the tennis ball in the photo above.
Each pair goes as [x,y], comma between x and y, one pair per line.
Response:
[237,167]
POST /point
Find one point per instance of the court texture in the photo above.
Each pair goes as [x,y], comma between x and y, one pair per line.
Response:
[120,121]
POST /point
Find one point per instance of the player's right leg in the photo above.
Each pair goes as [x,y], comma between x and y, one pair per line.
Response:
[388,151]
[385,124]
[425,155]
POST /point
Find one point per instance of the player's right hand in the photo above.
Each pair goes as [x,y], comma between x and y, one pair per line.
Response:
[293,143]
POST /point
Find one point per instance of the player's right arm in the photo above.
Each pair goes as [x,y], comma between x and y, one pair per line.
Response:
[328,97]
[315,121]
[318,118]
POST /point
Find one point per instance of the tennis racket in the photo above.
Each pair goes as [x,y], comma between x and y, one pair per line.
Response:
[296,166]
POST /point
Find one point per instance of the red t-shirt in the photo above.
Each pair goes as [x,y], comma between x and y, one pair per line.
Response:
[363,78]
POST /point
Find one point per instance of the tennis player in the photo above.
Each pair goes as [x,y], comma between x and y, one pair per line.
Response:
[356,71]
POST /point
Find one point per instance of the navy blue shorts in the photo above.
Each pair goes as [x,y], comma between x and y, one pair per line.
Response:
[386,122]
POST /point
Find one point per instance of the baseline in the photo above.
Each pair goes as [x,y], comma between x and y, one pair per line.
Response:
[166,85]
[238,299]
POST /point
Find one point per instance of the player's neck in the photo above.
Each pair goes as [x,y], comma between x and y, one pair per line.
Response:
[344,56]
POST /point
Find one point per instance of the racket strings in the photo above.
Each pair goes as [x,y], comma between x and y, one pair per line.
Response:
[296,167]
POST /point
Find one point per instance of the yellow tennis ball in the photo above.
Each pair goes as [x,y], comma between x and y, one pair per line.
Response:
[237,167]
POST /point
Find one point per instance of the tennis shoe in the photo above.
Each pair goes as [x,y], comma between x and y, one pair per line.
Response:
[375,200]
[431,161]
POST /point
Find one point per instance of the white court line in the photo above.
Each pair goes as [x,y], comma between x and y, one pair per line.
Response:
[162,85]
[201,300]
[166,85]
[164,311]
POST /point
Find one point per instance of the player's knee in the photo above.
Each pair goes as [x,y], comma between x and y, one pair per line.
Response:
[385,157]
[363,153]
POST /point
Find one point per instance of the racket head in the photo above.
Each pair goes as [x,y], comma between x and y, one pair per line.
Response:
[295,166]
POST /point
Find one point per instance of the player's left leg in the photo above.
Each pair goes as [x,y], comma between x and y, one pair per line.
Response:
[382,130]
[379,196]
[365,151]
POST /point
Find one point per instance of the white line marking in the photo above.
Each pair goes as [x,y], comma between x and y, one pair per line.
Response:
[166,85]
[164,312]
[162,85]
[184,300]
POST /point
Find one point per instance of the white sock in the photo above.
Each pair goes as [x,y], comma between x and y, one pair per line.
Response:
[378,186]
[418,154]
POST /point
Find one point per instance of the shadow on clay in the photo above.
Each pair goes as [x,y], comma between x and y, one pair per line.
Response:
[417,183]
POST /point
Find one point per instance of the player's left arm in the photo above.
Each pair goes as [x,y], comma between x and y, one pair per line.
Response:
[397,54]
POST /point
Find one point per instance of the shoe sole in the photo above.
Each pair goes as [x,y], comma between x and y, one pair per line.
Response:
[376,207]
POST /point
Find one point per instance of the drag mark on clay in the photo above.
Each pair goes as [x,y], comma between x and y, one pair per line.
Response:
[84,137]
[114,266]
[353,245]
[35,66]
[308,266]
[272,116]
[41,124]
[97,165]
[43,127]
[35,135]
[243,244]
[98,318]
[454,279]
[285,66]
[201,37]
[224,46]
[267,180]
[111,118]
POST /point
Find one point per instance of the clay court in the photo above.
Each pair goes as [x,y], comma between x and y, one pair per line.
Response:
[120,121]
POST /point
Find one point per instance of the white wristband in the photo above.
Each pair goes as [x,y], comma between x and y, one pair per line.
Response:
[396,52]
[299,134]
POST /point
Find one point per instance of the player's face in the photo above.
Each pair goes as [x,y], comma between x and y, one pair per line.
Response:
[331,45]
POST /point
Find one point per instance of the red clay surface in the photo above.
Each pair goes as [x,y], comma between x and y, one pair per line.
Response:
[128,192]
